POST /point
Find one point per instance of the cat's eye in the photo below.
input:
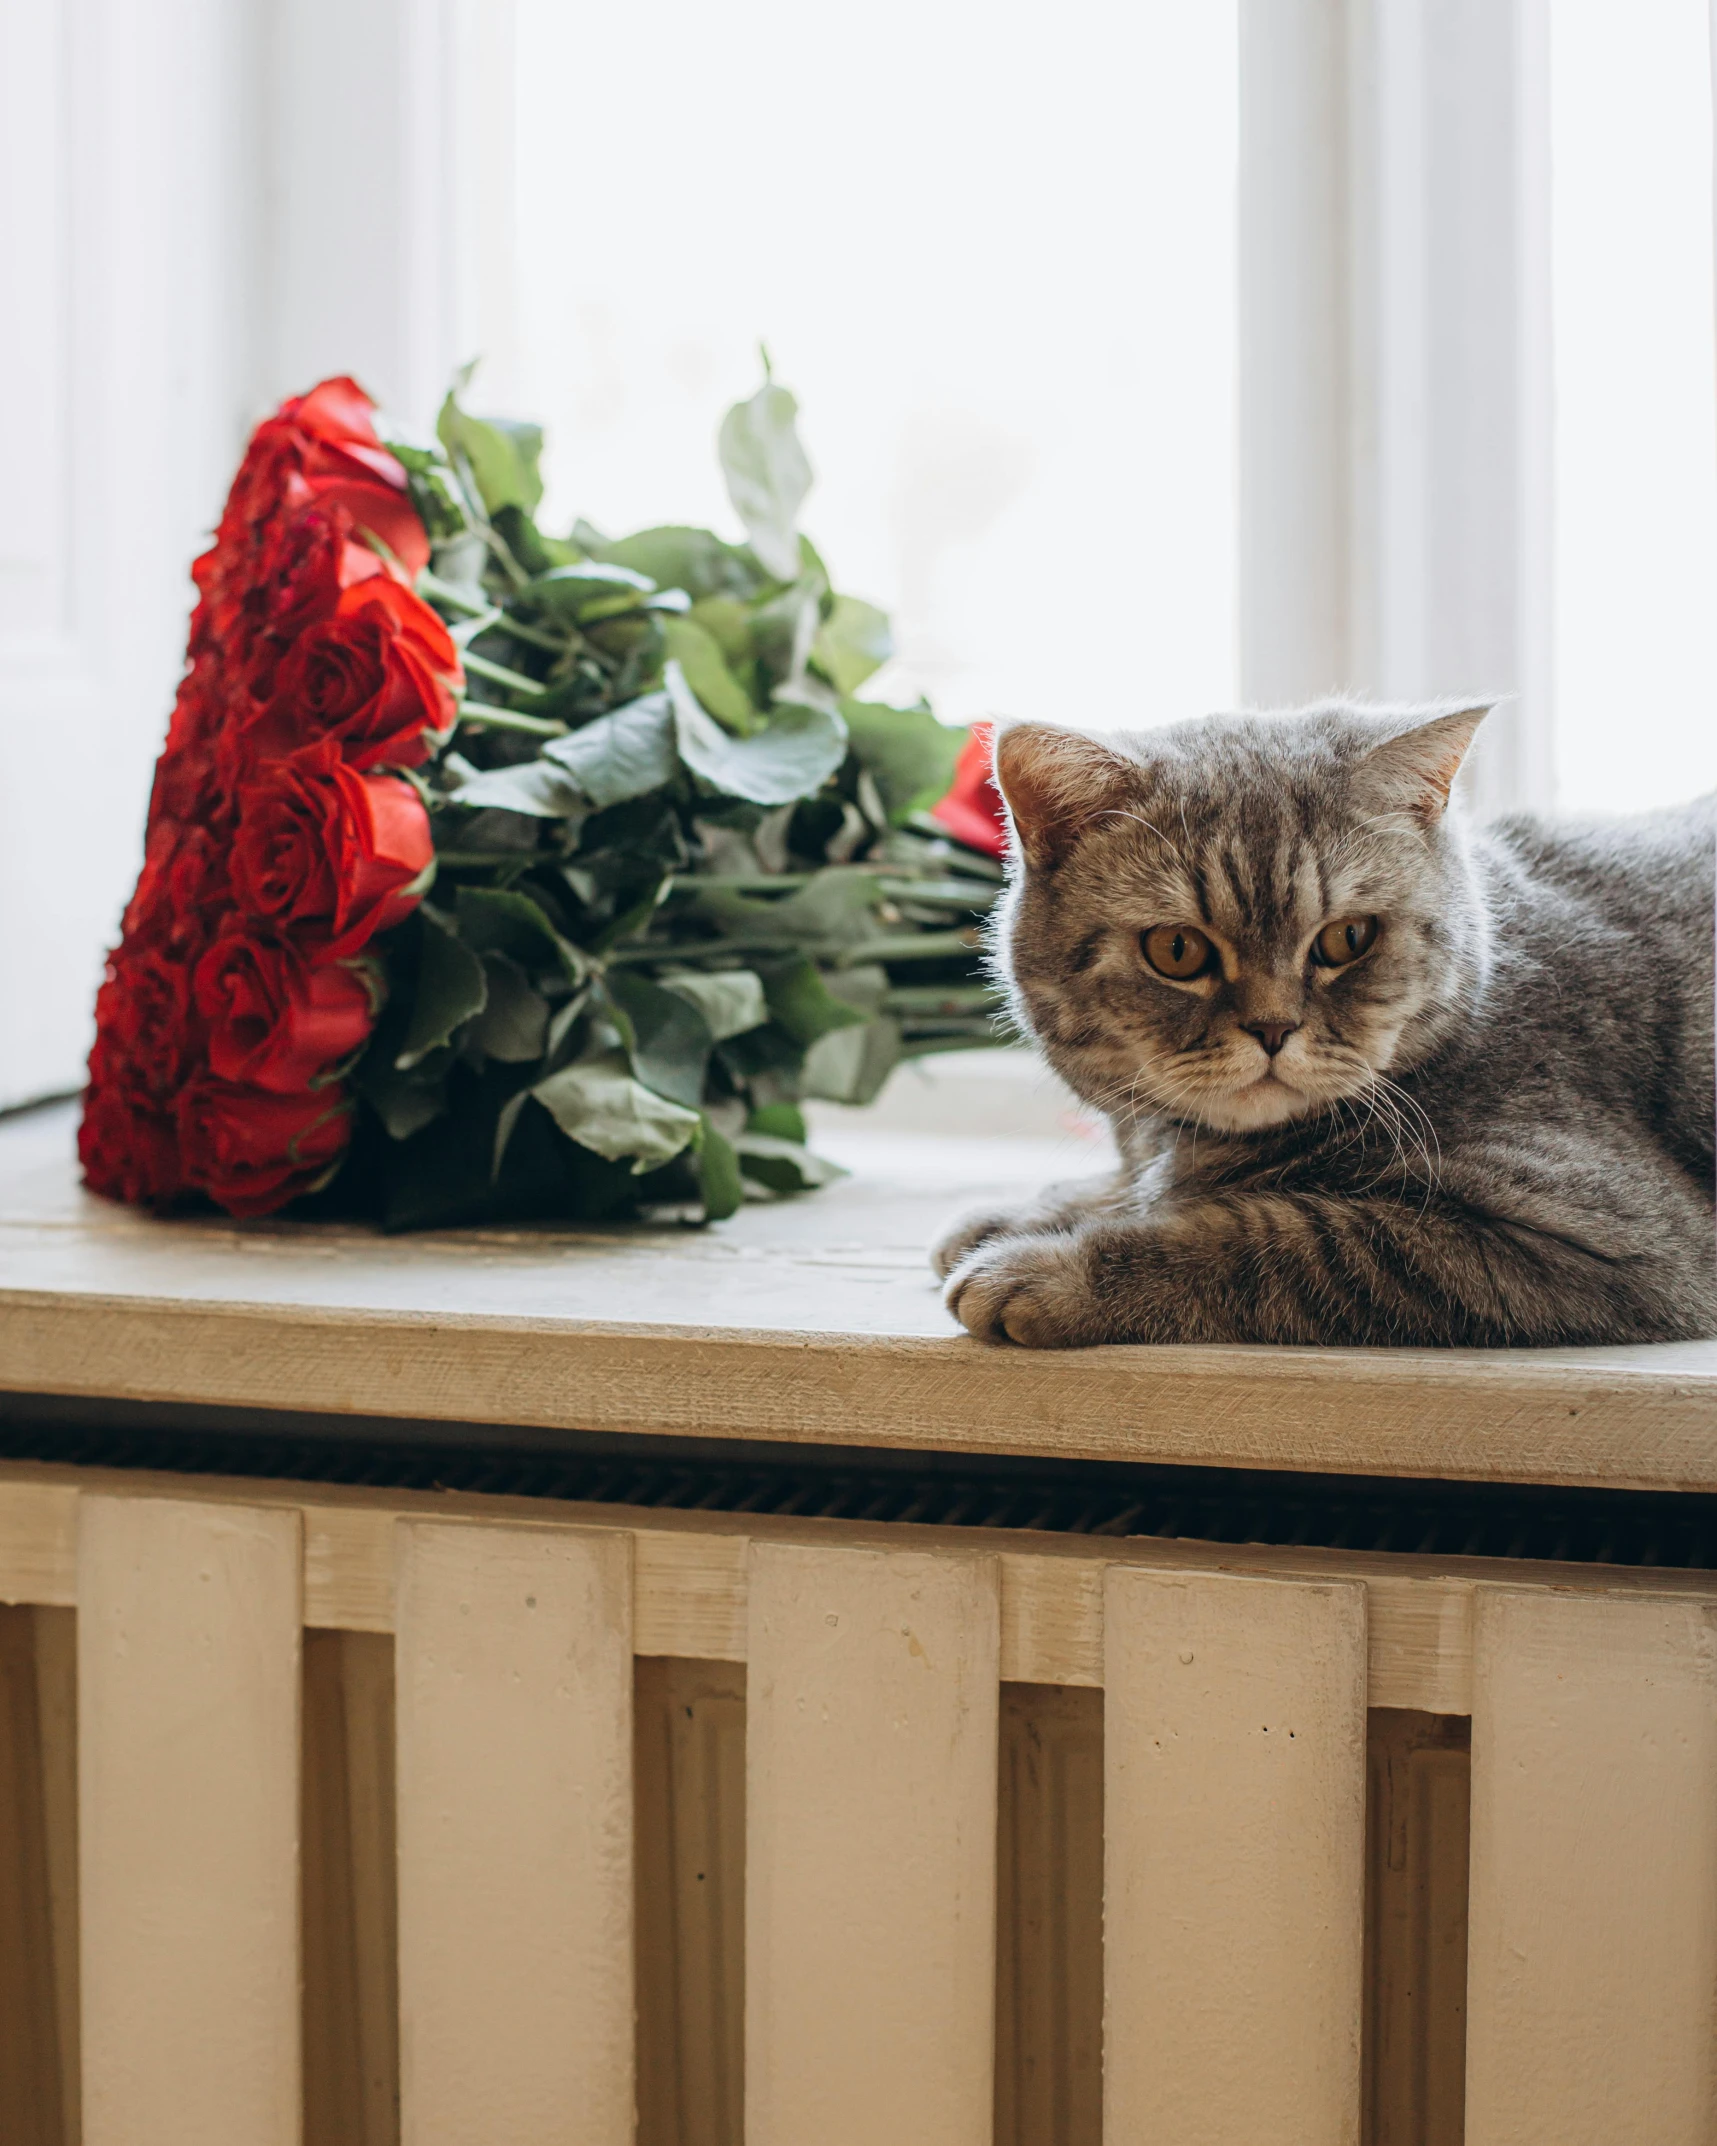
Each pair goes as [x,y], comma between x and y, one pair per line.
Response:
[1343,941]
[1176,951]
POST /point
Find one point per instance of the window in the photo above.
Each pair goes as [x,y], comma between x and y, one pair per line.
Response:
[1374,342]
[1635,458]
[994,256]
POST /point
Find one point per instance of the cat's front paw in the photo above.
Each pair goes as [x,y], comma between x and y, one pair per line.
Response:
[1033,1290]
[982,1227]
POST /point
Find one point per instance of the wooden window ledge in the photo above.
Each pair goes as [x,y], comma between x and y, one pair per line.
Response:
[814,1320]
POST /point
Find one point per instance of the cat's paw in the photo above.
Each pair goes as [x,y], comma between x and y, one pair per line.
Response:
[982,1227]
[1033,1290]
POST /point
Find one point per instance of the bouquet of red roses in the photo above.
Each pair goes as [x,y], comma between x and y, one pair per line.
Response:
[488,873]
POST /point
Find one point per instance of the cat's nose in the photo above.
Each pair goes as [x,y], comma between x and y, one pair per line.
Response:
[1271,1034]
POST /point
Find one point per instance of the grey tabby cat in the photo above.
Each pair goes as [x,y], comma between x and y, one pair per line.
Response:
[1375,1075]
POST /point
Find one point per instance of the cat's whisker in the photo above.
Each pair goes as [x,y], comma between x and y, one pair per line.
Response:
[1437,1142]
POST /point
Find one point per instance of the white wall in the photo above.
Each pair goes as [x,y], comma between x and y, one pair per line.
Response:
[122,375]
[204,204]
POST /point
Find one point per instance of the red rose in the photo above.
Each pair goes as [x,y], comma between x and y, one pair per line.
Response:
[149,897]
[199,879]
[128,1147]
[250,1151]
[183,892]
[144,1017]
[318,449]
[382,676]
[972,811]
[305,562]
[327,856]
[275,1020]
[337,420]
[206,755]
[269,479]
[338,458]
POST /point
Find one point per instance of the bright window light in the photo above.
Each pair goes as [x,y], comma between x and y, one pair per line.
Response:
[993,253]
[1636,404]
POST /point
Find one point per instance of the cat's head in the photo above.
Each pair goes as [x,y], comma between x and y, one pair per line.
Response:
[1242,920]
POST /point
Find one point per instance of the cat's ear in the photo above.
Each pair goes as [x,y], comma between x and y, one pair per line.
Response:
[1056,782]
[1414,770]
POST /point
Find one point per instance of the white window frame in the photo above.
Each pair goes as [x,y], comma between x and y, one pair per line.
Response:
[1395,362]
[247,199]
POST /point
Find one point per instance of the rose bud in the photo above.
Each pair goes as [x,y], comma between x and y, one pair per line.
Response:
[252,1151]
[327,856]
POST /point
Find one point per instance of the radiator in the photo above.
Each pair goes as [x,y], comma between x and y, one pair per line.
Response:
[354,1816]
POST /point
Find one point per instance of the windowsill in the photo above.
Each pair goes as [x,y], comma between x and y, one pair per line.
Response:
[813,1320]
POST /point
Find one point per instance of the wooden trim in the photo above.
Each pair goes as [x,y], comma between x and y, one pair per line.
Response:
[1592,1963]
[513,1697]
[188,1641]
[1234,1857]
[870,1849]
[690,1589]
[1635,1419]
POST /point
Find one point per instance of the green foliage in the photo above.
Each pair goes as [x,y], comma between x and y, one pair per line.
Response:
[791,757]
[907,753]
[684,878]
[497,456]
[602,1105]
[767,475]
[852,642]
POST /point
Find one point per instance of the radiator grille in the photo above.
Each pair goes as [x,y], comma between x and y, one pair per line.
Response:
[1079,1498]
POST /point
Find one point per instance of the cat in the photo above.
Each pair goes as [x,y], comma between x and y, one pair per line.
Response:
[1376,1075]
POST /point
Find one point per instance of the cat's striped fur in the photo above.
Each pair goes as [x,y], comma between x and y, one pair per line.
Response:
[1495,1128]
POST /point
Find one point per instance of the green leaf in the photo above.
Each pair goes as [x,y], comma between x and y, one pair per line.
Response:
[783,632]
[671,1040]
[786,1121]
[405,1103]
[538,788]
[434,492]
[699,657]
[513,1025]
[767,475]
[695,560]
[505,1121]
[836,907]
[601,1106]
[797,753]
[718,1175]
[568,592]
[728,625]
[499,920]
[731,1001]
[783,1166]
[803,1004]
[623,754]
[910,756]
[502,456]
[854,641]
[851,1065]
[451,987]
[513,525]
